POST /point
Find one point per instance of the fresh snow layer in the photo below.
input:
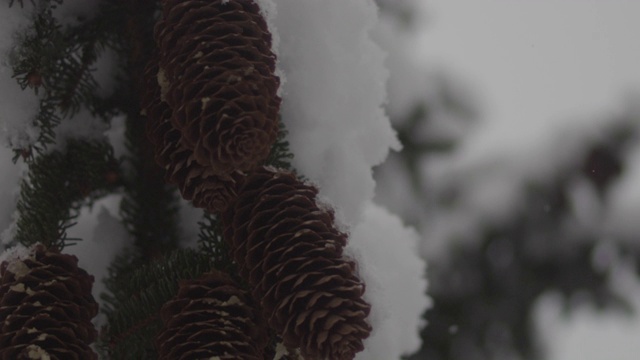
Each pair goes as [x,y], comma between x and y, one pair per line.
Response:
[408,84]
[333,97]
[18,252]
[103,237]
[387,255]
[333,100]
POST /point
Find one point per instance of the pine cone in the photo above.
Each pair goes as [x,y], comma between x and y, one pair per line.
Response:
[291,254]
[46,308]
[196,182]
[217,75]
[211,317]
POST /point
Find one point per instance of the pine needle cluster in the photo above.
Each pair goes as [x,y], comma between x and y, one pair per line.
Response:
[58,61]
[58,185]
[132,306]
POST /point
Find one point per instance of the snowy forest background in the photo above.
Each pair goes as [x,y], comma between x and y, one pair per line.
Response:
[516,182]
[525,158]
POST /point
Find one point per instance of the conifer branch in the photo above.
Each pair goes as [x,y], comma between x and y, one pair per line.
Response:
[136,297]
[58,184]
[280,155]
[60,60]
[150,207]
[211,243]
[146,276]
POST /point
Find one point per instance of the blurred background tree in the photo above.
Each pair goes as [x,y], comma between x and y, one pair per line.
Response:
[487,278]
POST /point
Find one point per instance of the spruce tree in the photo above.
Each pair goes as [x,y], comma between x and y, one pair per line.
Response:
[196,83]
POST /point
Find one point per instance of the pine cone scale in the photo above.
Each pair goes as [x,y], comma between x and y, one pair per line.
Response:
[211,315]
[46,307]
[211,52]
[291,254]
[196,182]
[213,93]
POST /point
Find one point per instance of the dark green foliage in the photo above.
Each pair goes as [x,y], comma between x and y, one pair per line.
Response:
[212,243]
[137,291]
[149,208]
[60,60]
[146,276]
[280,155]
[57,186]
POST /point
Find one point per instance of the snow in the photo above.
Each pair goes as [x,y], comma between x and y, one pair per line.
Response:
[103,237]
[18,252]
[386,252]
[269,11]
[333,102]
[333,97]
[81,126]
[410,82]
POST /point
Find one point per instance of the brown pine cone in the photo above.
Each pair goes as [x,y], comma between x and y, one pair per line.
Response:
[217,73]
[195,181]
[46,308]
[291,254]
[211,317]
